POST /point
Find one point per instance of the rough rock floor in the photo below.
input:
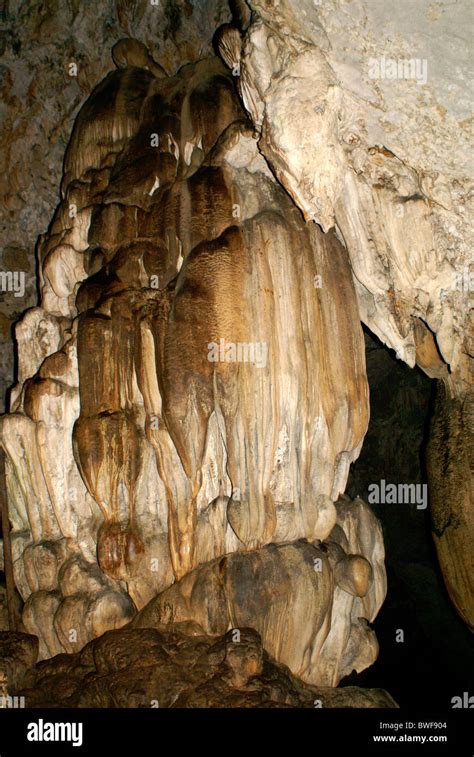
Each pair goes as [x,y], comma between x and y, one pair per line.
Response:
[144,667]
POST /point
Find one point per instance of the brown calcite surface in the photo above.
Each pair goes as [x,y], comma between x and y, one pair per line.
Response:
[162,669]
[450,465]
[191,389]
[18,655]
[298,596]
[367,125]
[52,55]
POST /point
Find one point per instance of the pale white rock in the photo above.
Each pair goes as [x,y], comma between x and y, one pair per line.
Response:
[383,159]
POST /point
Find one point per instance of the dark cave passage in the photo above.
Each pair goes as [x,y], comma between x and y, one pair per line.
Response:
[435,660]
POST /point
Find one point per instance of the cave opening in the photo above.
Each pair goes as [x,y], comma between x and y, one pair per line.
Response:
[426,652]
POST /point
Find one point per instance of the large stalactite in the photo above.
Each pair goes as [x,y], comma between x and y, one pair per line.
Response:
[196,389]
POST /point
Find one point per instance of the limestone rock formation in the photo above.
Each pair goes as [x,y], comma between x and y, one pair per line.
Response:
[147,668]
[52,54]
[321,113]
[451,465]
[191,385]
[273,589]
[367,126]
